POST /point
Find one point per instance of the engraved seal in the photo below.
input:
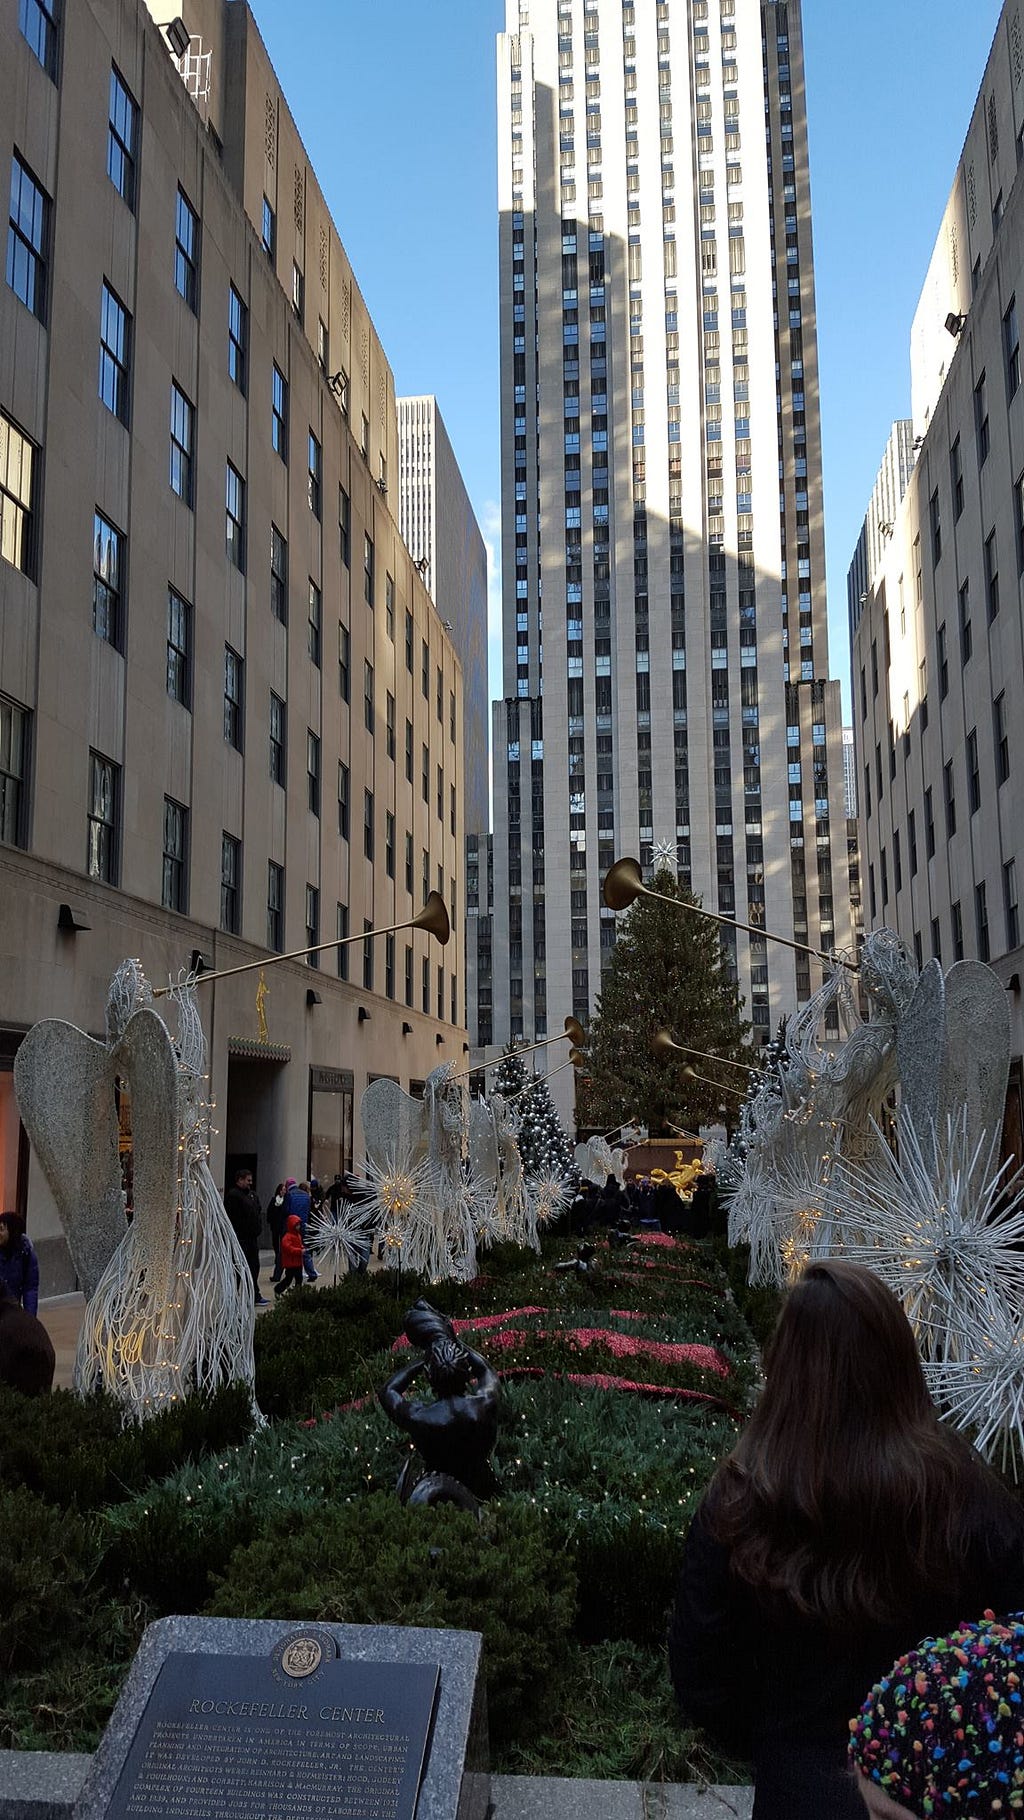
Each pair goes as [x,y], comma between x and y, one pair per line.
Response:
[301,1657]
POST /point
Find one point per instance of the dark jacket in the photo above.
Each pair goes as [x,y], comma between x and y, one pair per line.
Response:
[779,1690]
[19,1272]
[297,1201]
[243,1210]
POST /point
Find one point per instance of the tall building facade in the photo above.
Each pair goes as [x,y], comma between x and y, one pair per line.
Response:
[230,715]
[441,531]
[666,685]
[938,655]
[880,518]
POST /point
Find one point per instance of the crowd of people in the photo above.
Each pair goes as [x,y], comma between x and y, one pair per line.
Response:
[643,1202]
[288,1213]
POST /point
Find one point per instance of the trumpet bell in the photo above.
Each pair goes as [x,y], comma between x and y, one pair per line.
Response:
[575,1032]
[662,1043]
[577,1058]
[434,918]
[622,884]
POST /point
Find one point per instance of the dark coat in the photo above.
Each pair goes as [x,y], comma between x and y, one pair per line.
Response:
[243,1210]
[19,1272]
[27,1358]
[779,1690]
[296,1201]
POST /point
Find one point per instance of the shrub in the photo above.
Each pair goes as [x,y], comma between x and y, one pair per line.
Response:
[48,1557]
[377,1562]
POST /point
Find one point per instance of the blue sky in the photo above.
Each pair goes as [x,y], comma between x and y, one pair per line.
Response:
[396,106]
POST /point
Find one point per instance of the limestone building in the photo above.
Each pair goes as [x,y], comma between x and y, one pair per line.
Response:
[666,678]
[938,655]
[231,719]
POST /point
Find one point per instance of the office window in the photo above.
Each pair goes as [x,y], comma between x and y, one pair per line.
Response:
[368,823]
[275,907]
[323,345]
[315,477]
[234,698]
[103,858]
[408,642]
[425,985]
[408,751]
[364,436]
[440,793]
[278,576]
[312,772]
[368,570]
[234,519]
[179,649]
[389,966]
[936,939]
[268,229]
[17,475]
[943,664]
[440,693]
[452,815]
[440,992]
[1000,739]
[390,740]
[973,773]
[389,843]
[345,526]
[115,358]
[912,842]
[344,661]
[1018,521]
[935,520]
[451,716]
[929,825]
[339,387]
[238,341]
[14,754]
[108,577]
[425,774]
[425,671]
[122,138]
[981,429]
[341,926]
[186,252]
[368,716]
[991,576]
[408,976]
[957,922]
[230,883]
[408,863]
[298,291]
[28,239]
[314,624]
[312,923]
[949,794]
[182,444]
[38,20]
[367,955]
[964,608]
[1011,348]
[956,478]
[279,413]
[344,800]
[389,606]
[1011,906]
[174,892]
[981,920]
[426,875]
[278,738]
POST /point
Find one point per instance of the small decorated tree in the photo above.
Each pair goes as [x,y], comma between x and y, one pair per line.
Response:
[543,1145]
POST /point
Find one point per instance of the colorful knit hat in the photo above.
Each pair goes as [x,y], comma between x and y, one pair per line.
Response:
[943,1732]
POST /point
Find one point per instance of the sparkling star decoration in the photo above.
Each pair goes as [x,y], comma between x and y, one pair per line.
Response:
[663,853]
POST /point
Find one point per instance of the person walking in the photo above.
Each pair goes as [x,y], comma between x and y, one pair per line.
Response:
[19,1266]
[846,1523]
[292,1255]
[275,1220]
[243,1210]
[297,1200]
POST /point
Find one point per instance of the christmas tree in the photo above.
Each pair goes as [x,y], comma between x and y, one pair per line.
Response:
[667,972]
[543,1145]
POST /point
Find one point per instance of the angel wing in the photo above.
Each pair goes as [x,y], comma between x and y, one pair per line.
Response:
[977,1050]
[395,1126]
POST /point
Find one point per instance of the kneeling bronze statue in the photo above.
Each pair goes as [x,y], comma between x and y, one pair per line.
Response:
[454,1434]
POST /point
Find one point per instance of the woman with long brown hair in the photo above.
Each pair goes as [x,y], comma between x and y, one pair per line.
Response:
[846,1524]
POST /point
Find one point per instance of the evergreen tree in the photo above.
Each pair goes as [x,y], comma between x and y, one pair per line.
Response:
[666,972]
[543,1145]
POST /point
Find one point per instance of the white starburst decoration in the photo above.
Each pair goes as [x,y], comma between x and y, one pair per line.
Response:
[339,1242]
[550,1196]
[663,855]
[983,1391]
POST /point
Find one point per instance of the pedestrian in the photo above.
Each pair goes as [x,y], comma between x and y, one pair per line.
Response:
[846,1523]
[297,1200]
[275,1220]
[292,1255]
[19,1266]
[242,1206]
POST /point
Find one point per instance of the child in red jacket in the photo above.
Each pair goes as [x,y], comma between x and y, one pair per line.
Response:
[291,1254]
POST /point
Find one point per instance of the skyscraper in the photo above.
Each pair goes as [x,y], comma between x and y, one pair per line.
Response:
[664,628]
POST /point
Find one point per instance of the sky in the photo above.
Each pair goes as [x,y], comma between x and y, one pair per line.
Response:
[396,105]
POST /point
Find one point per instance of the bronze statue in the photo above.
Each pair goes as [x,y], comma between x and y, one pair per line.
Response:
[454,1434]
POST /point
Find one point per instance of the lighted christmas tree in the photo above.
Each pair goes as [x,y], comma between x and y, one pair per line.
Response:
[543,1144]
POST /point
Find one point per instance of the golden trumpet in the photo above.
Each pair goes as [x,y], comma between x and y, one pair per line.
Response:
[624,883]
[662,1042]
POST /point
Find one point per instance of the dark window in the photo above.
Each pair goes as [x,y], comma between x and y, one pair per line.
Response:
[368,716]
[103,857]
[174,892]
[425,985]
[312,772]
[389,843]
[238,340]
[1010,905]
[182,443]
[314,625]
[408,864]
[279,413]
[912,842]
[343,800]
[390,725]
[936,525]
[408,976]
[278,737]
[408,642]
[981,419]
[991,575]
[957,920]
[425,774]
[1018,521]
[368,823]
[179,649]
[14,752]
[368,568]
[929,825]
[278,576]
[408,751]
[452,818]
[949,794]
[234,519]
[323,345]
[344,662]
[298,291]
[234,698]
[936,939]
[108,579]
[451,715]
[268,229]
[39,27]
[956,478]
[966,640]
[186,252]
[981,920]
[275,907]
[17,475]
[312,923]
[389,605]
[341,927]
[28,239]
[122,138]
[230,883]
[973,773]
[1001,739]
[425,672]
[344,525]
[315,477]
[367,955]
[943,664]
[115,363]
[1011,348]
[389,965]
[440,693]
[440,793]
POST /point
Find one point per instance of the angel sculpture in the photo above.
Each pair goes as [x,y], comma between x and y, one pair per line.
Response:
[597,1162]
[169,1308]
[425,1198]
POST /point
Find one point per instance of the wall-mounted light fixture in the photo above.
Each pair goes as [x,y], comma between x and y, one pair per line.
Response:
[406,1029]
[313,997]
[178,36]
[364,1015]
[71,921]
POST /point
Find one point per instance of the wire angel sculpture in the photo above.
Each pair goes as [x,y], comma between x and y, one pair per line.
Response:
[425,1198]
